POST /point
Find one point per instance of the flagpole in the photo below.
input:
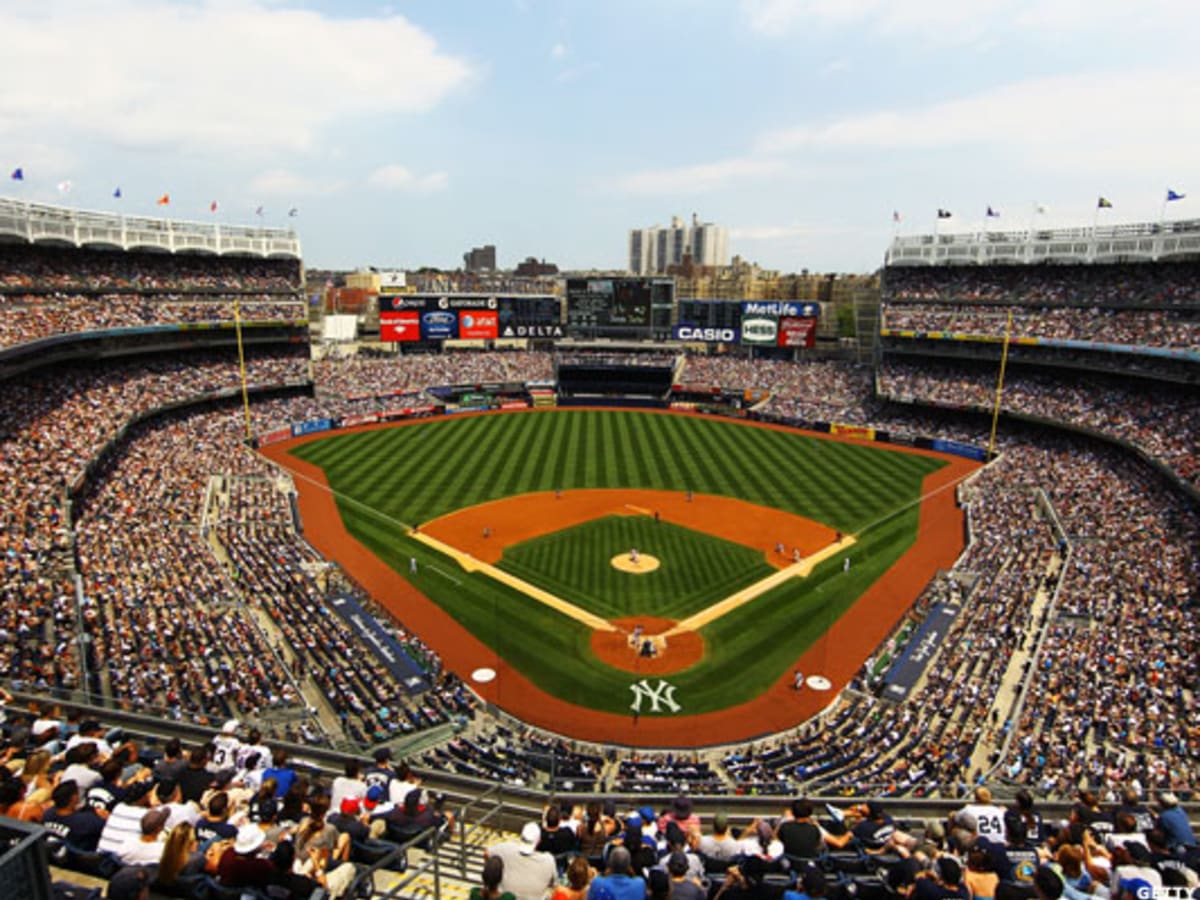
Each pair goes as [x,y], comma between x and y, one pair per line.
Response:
[237,322]
[1000,384]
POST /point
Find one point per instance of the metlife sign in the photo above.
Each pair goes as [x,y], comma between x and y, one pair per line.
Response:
[697,333]
[759,330]
[777,308]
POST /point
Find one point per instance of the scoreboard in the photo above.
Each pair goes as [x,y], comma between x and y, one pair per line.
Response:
[621,307]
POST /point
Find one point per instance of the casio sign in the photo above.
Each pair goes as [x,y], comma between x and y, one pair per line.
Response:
[712,335]
[759,331]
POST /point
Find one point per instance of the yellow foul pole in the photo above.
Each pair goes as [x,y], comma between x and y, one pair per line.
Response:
[237,321]
[1000,385]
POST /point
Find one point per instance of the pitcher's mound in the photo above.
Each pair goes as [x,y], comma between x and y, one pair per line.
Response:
[640,566]
[678,652]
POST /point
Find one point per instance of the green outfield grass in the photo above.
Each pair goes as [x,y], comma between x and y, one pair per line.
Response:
[696,570]
[418,472]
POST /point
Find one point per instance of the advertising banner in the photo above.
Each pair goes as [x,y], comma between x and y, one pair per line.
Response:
[958,448]
[759,330]
[272,437]
[779,308]
[478,325]
[854,431]
[400,326]
[920,650]
[439,325]
[311,426]
[525,330]
[705,335]
[359,419]
[797,332]
[387,650]
[514,404]
[404,412]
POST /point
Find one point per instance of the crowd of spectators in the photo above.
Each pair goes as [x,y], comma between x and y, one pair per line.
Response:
[827,391]
[1162,422]
[1128,284]
[1174,329]
[360,375]
[28,317]
[25,268]
[52,291]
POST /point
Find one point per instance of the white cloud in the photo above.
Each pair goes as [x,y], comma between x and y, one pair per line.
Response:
[700,177]
[395,177]
[1103,121]
[559,50]
[213,76]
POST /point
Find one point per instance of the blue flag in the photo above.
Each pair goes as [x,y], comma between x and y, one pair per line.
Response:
[992,214]
[117,192]
[1172,195]
[18,175]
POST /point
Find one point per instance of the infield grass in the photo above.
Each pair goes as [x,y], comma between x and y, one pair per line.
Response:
[418,472]
[696,570]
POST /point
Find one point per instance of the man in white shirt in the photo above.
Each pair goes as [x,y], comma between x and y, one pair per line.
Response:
[146,848]
[125,820]
[348,784]
[989,818]
[80,760]
[528,873]
[225,747]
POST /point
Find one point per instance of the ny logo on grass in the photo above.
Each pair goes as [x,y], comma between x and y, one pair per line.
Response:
[663,694]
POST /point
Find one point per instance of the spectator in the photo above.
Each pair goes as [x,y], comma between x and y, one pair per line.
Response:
[528,873]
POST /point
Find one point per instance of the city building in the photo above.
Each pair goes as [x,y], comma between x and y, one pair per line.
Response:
[480,259]
[653,250]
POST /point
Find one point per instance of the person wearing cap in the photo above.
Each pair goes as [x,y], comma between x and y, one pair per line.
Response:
[759,841]
[240,865]
[1173,822]
[146,848]
[382,773]
[528,872]
[877,832]
[618,881]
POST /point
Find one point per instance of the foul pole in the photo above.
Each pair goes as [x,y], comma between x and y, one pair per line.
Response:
[1000,384]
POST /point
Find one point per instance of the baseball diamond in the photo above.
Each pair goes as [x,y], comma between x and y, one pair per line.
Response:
[756,587]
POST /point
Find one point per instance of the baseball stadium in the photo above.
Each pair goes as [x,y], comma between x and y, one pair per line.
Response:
[491,553]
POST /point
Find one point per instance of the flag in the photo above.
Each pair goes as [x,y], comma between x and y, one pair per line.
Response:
[895,215]
[292,212]
[1040,209]
[212,207]
[64,187]
[1174,195]
[117,192]
[164,200]
[1104,203]
[992,214]
[18,174]
[944,214]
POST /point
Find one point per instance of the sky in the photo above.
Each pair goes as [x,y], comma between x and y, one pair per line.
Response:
[403,134]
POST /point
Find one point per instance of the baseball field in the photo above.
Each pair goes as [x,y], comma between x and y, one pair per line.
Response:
[602,561]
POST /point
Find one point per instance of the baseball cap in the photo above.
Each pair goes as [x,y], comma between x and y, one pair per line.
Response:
[383,754]
[230,727]
[350,806]
[531,833]
[249,839]
[721,821]
[155,819]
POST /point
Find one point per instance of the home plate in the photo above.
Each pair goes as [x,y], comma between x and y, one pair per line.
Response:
[818,682]
[483,676]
